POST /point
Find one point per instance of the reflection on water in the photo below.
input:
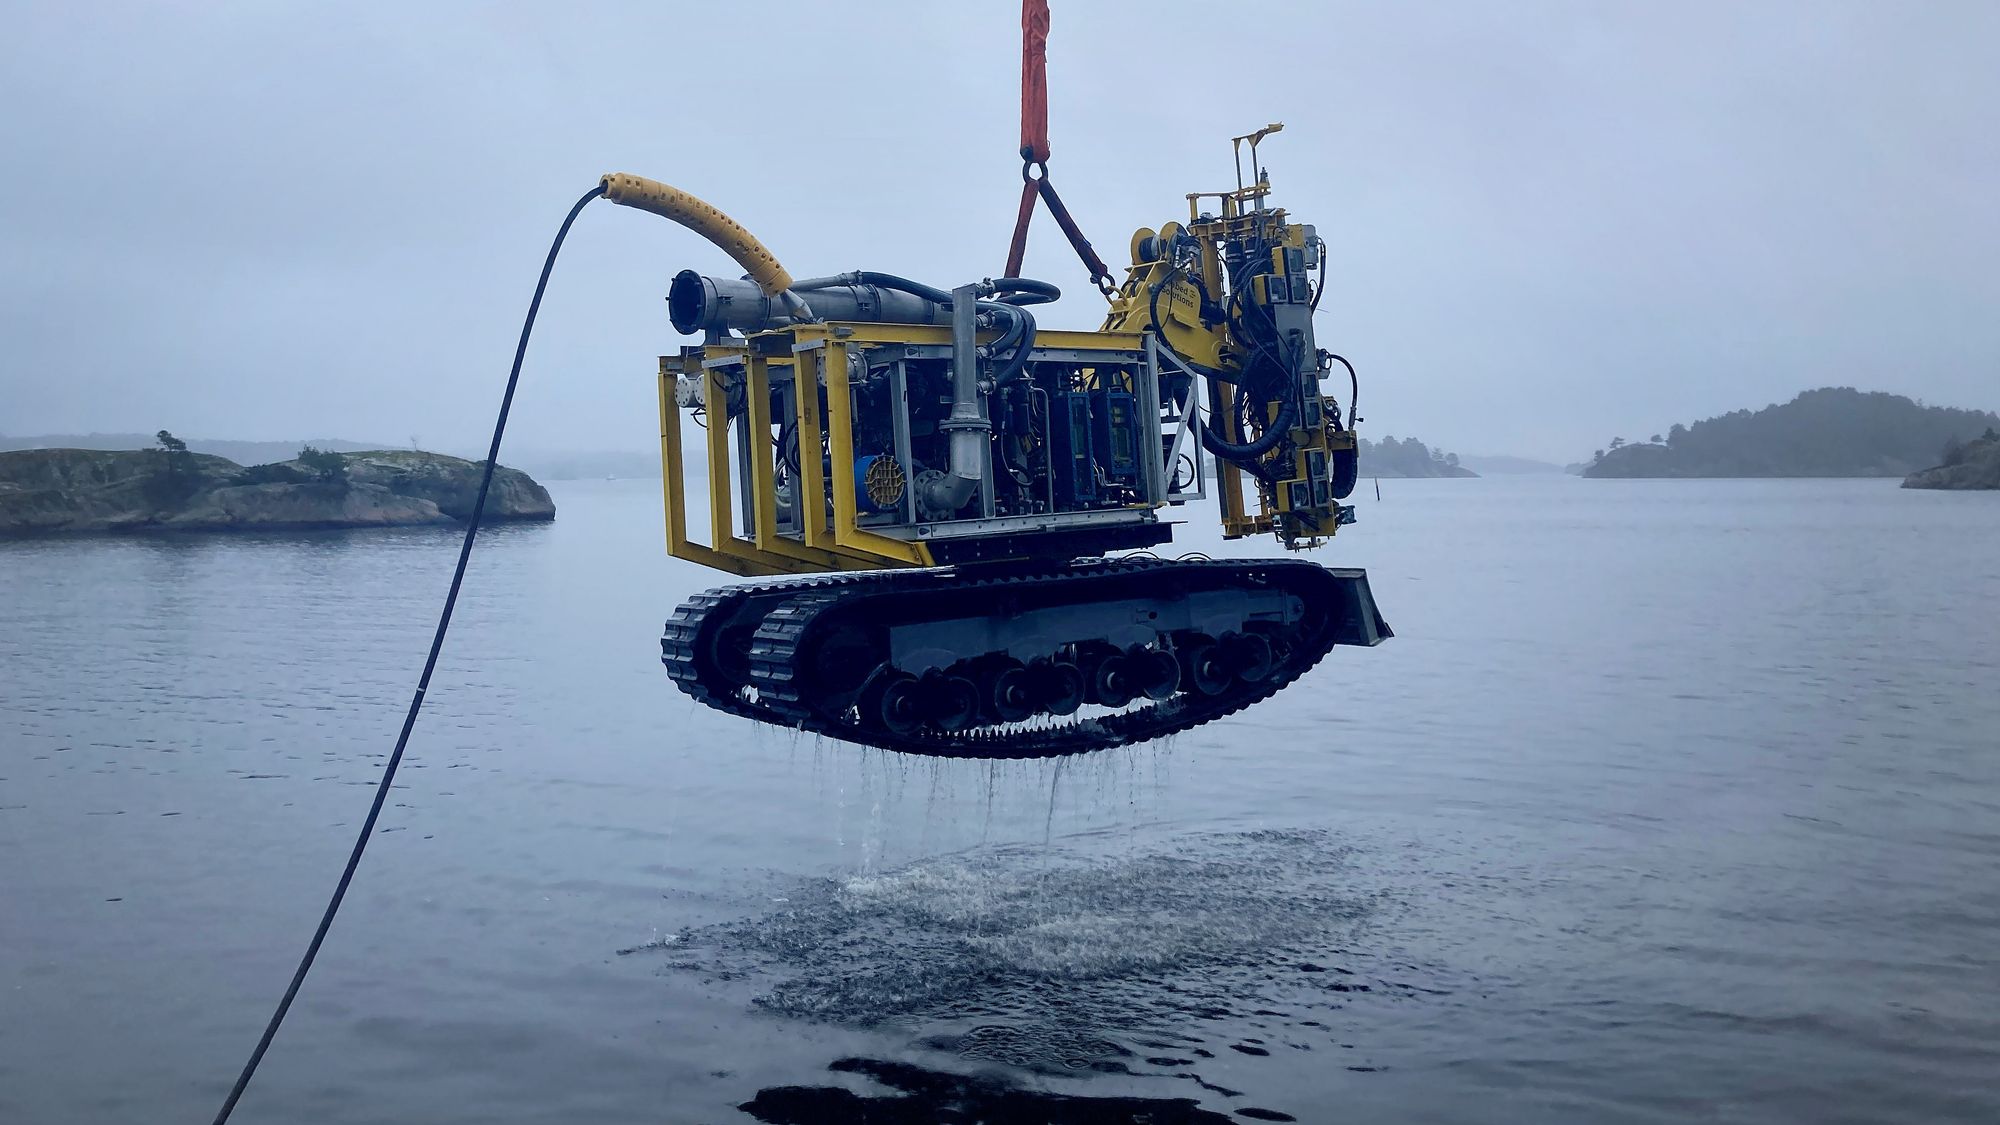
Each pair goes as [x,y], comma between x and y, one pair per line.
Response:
[926,1097]
[1671,800]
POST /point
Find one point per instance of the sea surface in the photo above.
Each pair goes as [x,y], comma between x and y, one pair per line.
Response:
[1670,801]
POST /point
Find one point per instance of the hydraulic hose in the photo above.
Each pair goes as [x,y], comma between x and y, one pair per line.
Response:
[1153,300]
[1353,390]
[1018,327]
[885,280]
[1025,291]
[704,219]
[773,280]
[1021,322]
[1244,453]
[1019,358]
[1288,412]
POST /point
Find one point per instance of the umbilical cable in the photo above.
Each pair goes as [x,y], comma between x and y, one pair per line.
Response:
[423,681]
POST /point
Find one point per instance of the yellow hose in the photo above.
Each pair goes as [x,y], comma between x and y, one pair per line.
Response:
[705,220]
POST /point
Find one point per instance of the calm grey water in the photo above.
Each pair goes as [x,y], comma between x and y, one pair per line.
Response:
[1670,800]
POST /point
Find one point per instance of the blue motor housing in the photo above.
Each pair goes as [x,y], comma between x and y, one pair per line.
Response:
[879,483]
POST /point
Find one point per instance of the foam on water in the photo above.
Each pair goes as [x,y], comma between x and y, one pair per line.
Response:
[1071,945]
[1051,962]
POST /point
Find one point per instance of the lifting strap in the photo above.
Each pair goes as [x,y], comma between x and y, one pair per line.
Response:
[1035,81]
[1035,153]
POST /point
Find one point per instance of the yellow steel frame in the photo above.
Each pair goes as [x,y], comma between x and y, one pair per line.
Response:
[815,550]
[847,531]
[1236,523]
[764,552]
[817,355]
[678,543]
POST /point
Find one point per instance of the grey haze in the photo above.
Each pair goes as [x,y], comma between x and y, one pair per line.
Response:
[1552,222]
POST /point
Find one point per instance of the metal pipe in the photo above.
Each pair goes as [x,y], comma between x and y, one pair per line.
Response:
[873,303]
[697,304]
[967,425]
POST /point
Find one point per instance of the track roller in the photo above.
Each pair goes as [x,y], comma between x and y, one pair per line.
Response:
[952,701]
[968,664]
[1011,696]
[1204,669]
[1113,682]
[1249,656]
[1059,686]
[1157,672]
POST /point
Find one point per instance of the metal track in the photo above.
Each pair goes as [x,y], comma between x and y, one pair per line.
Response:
[772,691]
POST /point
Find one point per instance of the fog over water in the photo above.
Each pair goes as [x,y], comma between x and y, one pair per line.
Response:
[1551,222]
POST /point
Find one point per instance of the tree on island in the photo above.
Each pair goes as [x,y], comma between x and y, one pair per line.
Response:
[325,465]
[1830,431]
[174,478]
[1407,457]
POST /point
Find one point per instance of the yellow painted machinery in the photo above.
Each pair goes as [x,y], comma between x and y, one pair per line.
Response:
[945,511]
[944,498]
[1230,296]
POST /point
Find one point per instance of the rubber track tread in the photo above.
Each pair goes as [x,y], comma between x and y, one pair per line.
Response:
[781,631]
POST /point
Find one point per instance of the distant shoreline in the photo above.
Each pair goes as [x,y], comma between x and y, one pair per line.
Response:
[173,490]
[1826,432]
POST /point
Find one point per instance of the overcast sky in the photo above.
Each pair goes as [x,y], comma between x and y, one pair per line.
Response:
[1552,223]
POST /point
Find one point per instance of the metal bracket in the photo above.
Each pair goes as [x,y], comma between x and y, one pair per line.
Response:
[1187,428]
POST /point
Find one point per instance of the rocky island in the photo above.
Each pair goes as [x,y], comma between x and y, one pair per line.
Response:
[46,491]
[1390,459]
[1828,432]
[1973,464]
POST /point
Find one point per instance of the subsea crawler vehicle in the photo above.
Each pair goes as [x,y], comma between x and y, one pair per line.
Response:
[947,502]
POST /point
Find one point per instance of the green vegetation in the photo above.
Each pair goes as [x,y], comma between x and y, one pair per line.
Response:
[1971,464]
[1957,452]
[326,466]
[1408,458]
[1829,432]
[174,477]
[167,487]
[241,452]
